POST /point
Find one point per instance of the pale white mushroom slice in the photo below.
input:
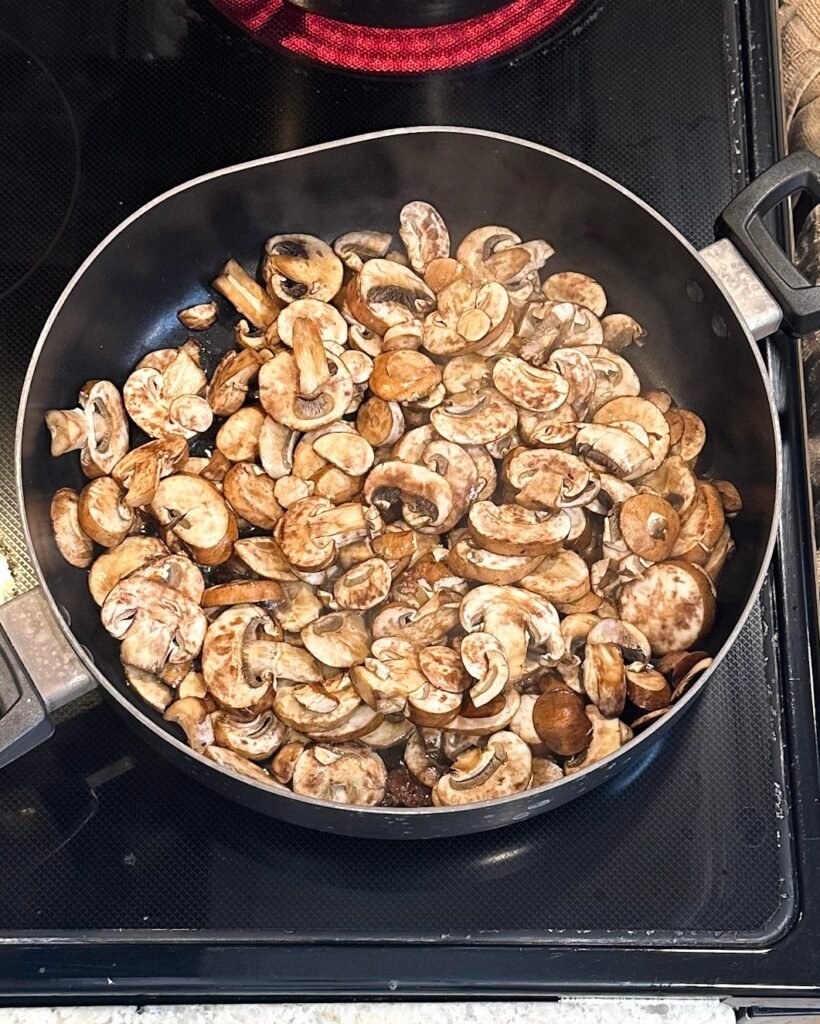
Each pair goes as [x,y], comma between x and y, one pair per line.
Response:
[388,676]
[570,286]
[106,425]
[421,627]
[380,422]
[546,478]
[102,512]
[500,769]
[426,498]
[68,429]
[629,409]
[513,530]
[701,527]
[355,248]
[282,397]
[142,394]
[268,659]
[485,659]
[238,437]
[518,619]
[540,390]
[608,735]
[362,721]
[298,266]
[471,561]
[467,372]
[424,233]
[250,492]
[672,604]
[191,715]
[194,510]
[264,557]
[120,561]
[231,381]
[246,295]
[475,417]
[410,446]
[297,607]
[328,320]
[481,243]
[256,735]
[345,774]
[340,639]
[613,450]
[224,665]
[289,489]
[364,585]
[674,481]
[385,294]
[350,453]
[76,547]
[149,688]
[389,733]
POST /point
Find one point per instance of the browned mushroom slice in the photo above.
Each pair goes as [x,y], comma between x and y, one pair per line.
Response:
[191,715]
[426,498]
[276,444]
[177,572]
[674,481]
[280,663]
[522,723]
[345,774]
[512,530]
[199,317]
[196,513]
[723,550]
[471,561]
[475,417]
[608,735]
[339,640]
[458,468]
[431,707]
[313,709]
[385,294]
[649,526]
[578,288]
[729,496]
[282,396]
[468,372]
[403,376]
[289,489]
[224,664]
[424,756]
[149,688]
[500,769]
[73,543]
[444,669]
[335,485]
[646,688]
[615,377]
[106,426]
[421,627]
[301,267]
[231,381]
[236,763]
[364,586]
[328,321]
[68,429]
[564,480]
[238,437]
[120,561]
[481,243]
[693,436]
[689,672]
[243,592]
[486,661]
[701,527]
[102,513]
[545,429]
[639,411]
[486,719]
[518,619]
[380,422]
[254,735]
[613,450]
[389,733]
[284,761]
[355,248]
[560,721]
[350,453]
[644,721]
[141,470]
[249,492]
[621,331]
[605,677]
[246,295]
[362,721]
[424,234]
[312,529]
[560,578]
[264,557]
[672,604]
[529,387]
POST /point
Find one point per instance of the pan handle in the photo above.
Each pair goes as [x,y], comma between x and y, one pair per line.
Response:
[39,672]
[742,222]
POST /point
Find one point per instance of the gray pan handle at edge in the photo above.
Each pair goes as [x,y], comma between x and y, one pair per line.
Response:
[39,672]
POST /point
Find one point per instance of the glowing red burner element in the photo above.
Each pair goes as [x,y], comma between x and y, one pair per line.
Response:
[395,50]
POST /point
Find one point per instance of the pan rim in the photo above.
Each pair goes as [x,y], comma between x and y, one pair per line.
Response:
[602,768]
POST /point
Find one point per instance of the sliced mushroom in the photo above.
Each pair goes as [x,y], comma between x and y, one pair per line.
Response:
[701,527]
[444,668]
[458,468]
[431,707]
[103,514]
[729,496]
[106,425]
[424,757]
[191,715]
[250,493]
[241,765]
[646,688]
[674,481]
[549,326]
[298,607]
[285,759]
[386,294]
[355,248]
[560,720]
[199,317]
[639,411]
[177,572]
[282,396]
[561,578]
[403,375]
[471,561]
[608,735]
[238,437]
[346,774]
[528,387]
[301,267]
[349,452]
[224,664]
[246,295]
[76,547]
[486,661]
[289,489]
[276,444]
[389,733]
[512,530]
[243,592]
[421,627]
[68,429]
[254,735]
[475,417]
[313,709]
[120,561]
[649,526]
[326,319]
[379,422]
[312,529]
[500,769]
[231,381]
[340,640]
[426,498]
[546,478]
[672,604]
[578,288]
[424,234]
[149,688]
[605,678]
[621,331]
[264,557]
[194,510]
[141,470]
[613,450]
[363,586]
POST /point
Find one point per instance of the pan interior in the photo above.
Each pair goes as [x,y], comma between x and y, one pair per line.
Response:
[125,304]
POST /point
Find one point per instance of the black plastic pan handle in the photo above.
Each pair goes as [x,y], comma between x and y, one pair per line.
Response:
[742,222]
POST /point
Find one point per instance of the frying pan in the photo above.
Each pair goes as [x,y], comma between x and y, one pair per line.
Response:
[122,302]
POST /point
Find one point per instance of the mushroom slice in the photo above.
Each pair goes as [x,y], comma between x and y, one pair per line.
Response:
[424,234]
[672,604]
[76,547]
[528,387]
[444,669]
[615,378]
[385,294]
[516,618]
[106,425]
[475,417]
[471,561]
[254,735]
[267,659]
[349,452]
[424,757]
[120,561]
[421,627]
[327,320]
[149,688]
[723,550]
[362,721]
[276,444]
[605,677]
[729,496]
[410,447]
[389,733]
[297,607]
[340,640]
[345,774]
[301,267]
[379,422]
[441,273]
[282,397]
[426,498]
[249,491]
[102,513]
[486,661]
[522,723]
[290,489]
[224,665]
[177,572]
[613,450]
[646,688]
[238,437]
[645,414]
[141,470]
[608,735]
[312,529]
[194,510]
[364,585]
[558,427]
[231,381]
[312,709]
[355,248]
[238,764]
[285,759]
[674,481]
[481,243]
[264,557]
[551,479]
[68,429]
[502,768]
[633,644]
[561,578]
[403,376]
[459,470]
[243,592]
[621,331]
[432,707]
[199,317]
[578,288]
[649,526]
[512,530]
[547,326]
[701,527]
[191,715]
[246,295]
[693,436]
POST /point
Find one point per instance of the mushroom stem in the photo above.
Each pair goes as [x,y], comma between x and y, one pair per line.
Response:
[309,353]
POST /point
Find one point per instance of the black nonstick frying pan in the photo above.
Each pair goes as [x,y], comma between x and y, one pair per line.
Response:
[703,312]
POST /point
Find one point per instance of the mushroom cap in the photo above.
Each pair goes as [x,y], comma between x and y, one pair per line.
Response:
[672,604]
[299,266]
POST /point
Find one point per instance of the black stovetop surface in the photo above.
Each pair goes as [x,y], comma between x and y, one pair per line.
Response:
[120,877]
